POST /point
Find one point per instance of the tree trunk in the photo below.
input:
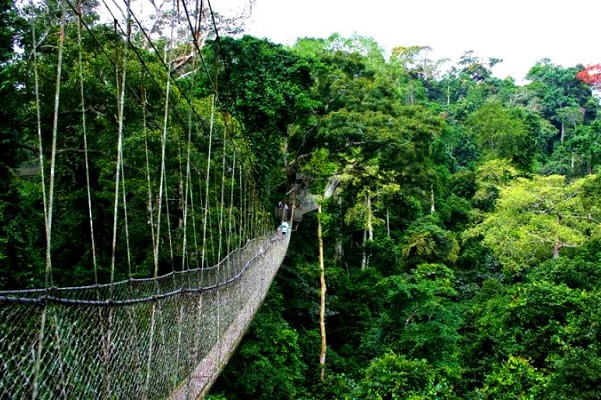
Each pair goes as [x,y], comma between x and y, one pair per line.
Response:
[364,259]
[370,227]
[367,233]
[432,204]
[388,223]
[556,248]
[181,211]
[338,250]
[322,307]
[573,162]
[563,131]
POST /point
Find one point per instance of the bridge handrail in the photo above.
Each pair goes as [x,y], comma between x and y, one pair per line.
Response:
[106,293]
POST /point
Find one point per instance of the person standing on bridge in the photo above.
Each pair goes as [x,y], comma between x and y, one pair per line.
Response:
[284,228]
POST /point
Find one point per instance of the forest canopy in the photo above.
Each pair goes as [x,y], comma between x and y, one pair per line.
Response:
[461,240]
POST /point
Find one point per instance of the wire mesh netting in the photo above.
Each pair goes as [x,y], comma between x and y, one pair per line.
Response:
[137,339]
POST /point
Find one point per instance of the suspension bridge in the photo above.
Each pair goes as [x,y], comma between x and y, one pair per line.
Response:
[153,246]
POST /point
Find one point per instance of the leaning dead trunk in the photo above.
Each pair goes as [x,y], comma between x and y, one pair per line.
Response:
[322,308]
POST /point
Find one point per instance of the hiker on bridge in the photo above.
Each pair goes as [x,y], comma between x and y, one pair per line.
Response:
[283,228]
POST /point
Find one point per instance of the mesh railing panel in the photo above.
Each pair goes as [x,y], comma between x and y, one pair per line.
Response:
[137,339]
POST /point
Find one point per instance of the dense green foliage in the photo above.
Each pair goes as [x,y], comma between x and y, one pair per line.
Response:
[462,240]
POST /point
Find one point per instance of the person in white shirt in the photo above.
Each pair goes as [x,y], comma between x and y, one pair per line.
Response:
[284,228]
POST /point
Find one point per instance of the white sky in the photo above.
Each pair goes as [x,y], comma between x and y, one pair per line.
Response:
[520,32]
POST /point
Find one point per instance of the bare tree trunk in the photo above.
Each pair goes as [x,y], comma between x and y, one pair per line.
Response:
[432,203]
[556,248]
[563,131]
[388,223]
[322,308]
[338,250]
[557,244]
[180,211]
[368,232]
[364,259]
[370,227]
[573,161]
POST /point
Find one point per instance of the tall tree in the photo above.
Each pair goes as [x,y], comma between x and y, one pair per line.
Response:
[535,219]
[265,86]
[561,94]
[499,133]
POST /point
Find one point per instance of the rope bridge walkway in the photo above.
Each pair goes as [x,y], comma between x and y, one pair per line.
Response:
[137,339]
[145,246]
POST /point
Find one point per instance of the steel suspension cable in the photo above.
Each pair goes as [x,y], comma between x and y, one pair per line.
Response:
[125,221]
[39,130]
[231,208]
[48,212]
[57,92]
[166,67]
[206,210]
[121,79]
[85,141]
[168,217]
[181,199]
[241,222]
[222,201]
[163,155]
[148,181]
[189,185]
[187,190]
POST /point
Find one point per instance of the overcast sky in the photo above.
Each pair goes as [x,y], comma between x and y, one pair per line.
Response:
[520,32]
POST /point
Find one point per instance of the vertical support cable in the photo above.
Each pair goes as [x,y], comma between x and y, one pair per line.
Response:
[85,140]
[185,189]
[50,203]
[121,79]
[61,43]
[120,119]
[222,200]
[106,355]
[38,353]
[168,217]
[129,274]
[206,210]
[219,265]
[231,210]
[194,233]
[162,178]
[201,206]
[150,351]
[148,181]
[242,212]
[180,323]
[39,122]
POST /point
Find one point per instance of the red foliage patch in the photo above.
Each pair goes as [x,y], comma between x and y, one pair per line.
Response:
[591,75]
